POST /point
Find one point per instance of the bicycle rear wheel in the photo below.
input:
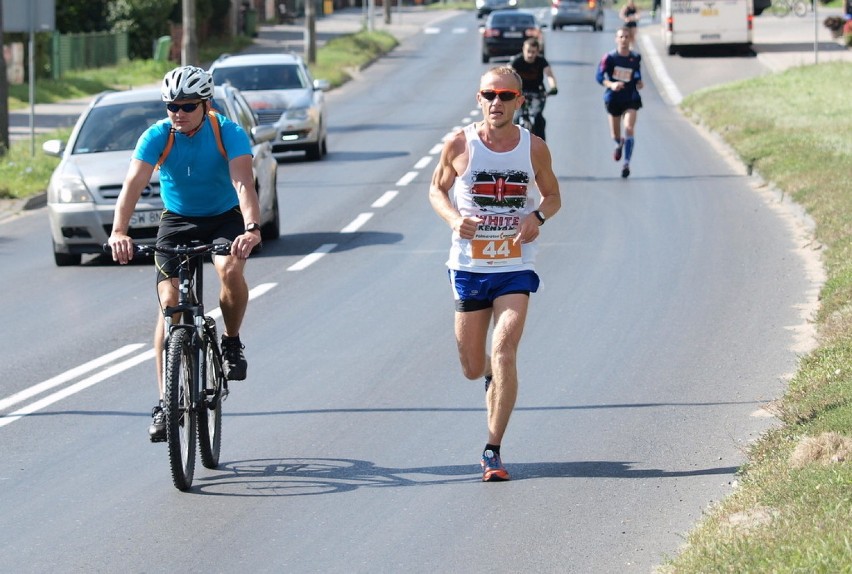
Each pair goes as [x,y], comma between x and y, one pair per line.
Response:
[800,9]
[180,415]
[210,413]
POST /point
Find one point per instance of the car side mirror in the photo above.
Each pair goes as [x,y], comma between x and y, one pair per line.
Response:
[53,147]
[264,133]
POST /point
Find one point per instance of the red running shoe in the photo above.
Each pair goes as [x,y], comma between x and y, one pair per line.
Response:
[492,467]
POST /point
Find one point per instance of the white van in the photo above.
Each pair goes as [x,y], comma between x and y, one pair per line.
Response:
[707,23]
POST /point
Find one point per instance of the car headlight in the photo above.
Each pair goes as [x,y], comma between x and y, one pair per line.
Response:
[480,3]
[70,190]
[300,114]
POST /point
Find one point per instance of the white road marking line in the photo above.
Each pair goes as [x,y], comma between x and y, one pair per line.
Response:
[459,30]
[357,223]
[407,178]
[431,30]
[308,260]
[436,149]
[385,199]
[671,90]
[67,376]
[423,162]
[76,388]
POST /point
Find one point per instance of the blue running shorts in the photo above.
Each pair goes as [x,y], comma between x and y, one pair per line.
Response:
[477,291]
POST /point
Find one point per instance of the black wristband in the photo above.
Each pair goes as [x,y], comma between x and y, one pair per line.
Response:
[541,218]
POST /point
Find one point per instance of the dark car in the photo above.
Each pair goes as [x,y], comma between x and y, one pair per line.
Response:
[486,7]
[505,31]
[577,13]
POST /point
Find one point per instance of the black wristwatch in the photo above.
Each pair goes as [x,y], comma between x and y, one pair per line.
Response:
[252,227]
[540,216]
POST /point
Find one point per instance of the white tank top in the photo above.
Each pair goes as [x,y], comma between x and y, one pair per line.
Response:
[500,188]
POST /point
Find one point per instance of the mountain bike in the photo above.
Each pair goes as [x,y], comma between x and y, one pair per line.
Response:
[781,8]
[195,382]
[532,109]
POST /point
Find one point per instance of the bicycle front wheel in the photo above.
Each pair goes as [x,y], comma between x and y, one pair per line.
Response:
[800,9]
[780,8]
[180,414]
[210,413]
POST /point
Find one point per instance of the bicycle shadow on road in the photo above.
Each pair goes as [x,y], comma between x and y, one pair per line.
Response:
[316,476]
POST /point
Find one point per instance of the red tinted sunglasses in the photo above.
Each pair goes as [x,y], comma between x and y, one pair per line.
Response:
[504,95]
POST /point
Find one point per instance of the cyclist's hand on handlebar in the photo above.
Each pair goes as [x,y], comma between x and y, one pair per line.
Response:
[122,247]
[243,244]
[553,92]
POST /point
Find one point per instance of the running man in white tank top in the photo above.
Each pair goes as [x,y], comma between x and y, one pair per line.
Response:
[495,187]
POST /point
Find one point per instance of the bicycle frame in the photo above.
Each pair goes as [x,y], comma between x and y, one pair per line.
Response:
[195,385]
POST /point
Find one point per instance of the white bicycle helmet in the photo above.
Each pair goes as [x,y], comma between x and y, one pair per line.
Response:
[187,83]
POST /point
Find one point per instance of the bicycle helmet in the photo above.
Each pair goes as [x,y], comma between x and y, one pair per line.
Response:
[187,83]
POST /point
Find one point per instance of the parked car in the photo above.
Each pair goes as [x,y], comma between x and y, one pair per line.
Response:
[760,6]
[84,187]
[281,90]
[577,13]
[505,32]
[486,7]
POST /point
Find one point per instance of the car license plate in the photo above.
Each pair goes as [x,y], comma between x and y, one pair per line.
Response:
[145,219]
[513,35]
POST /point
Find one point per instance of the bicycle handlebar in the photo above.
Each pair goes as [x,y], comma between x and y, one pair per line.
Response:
[214,248]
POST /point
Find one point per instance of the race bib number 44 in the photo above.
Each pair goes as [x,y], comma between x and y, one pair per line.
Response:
[495,248]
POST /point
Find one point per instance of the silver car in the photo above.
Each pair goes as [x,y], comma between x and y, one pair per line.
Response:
[281,90]
[84,187]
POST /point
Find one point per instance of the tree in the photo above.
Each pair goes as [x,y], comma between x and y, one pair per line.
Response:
[143,20]
[74,16]
[4,96]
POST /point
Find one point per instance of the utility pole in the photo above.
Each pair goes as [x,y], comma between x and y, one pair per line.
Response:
[4,96]
[188,43]
[310,32]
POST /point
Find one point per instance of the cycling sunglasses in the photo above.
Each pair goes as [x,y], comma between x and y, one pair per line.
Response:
[504,95]
[186,108]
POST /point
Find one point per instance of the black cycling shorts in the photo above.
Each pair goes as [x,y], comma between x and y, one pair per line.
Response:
[618,108]
[182,230]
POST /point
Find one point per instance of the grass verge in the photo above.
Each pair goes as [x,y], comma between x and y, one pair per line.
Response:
[792,509]
[23,175]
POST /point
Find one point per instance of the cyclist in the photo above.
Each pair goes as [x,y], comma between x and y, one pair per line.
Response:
[533,68]
[206,198]
[619,73]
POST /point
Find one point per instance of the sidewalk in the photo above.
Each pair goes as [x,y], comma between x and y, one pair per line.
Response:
[787,42]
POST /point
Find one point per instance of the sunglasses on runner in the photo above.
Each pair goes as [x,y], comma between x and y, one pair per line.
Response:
[504,95]
[186,108]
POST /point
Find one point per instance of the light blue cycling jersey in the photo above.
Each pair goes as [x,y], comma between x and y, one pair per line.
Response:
[195,179]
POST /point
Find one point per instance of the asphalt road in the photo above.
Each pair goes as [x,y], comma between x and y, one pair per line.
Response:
[669,316]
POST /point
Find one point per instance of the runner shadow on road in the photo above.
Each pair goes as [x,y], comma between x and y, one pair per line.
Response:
[314,476]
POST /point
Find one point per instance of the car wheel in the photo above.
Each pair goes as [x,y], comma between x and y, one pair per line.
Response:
[314,152]
[272,229]
[66,259]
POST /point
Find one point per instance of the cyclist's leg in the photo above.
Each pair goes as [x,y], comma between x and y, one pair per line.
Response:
[233,293]
[168,294]
[233,289]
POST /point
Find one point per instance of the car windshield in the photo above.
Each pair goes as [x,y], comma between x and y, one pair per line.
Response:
[252,78]
[117,127]
[507,20]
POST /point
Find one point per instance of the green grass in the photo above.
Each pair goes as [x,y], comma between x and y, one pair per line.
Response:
[792,510]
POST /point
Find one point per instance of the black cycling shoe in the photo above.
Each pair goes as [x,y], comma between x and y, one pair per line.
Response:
[157,430]
[235,362]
